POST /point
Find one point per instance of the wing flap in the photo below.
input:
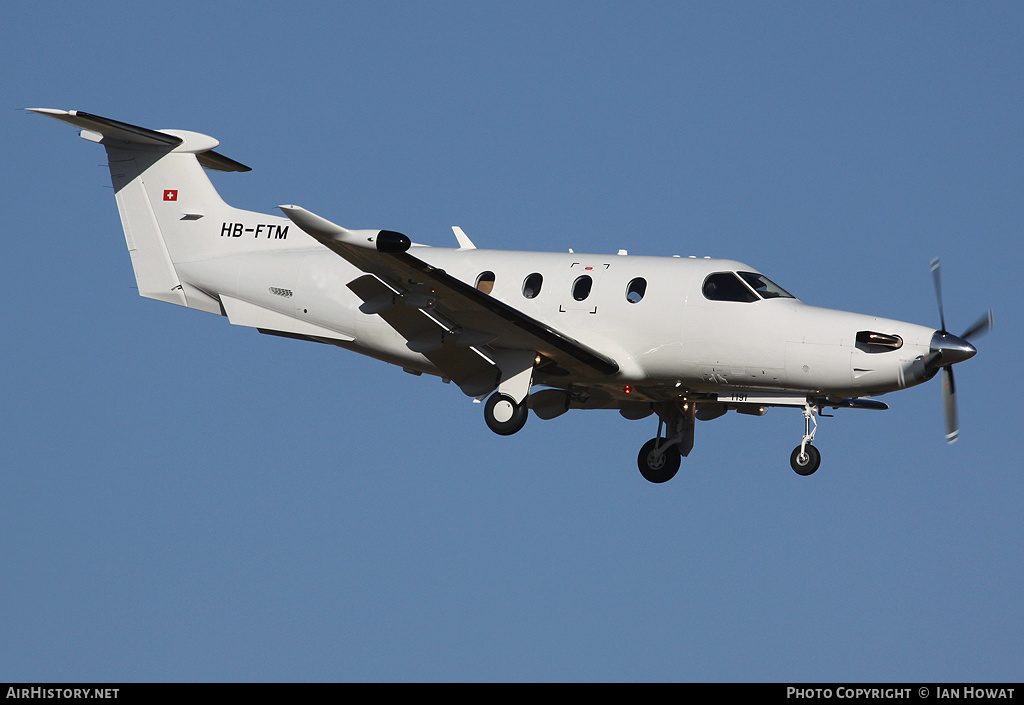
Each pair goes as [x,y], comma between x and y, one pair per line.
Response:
[467,366]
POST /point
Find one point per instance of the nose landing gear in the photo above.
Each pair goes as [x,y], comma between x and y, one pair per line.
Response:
[805,458]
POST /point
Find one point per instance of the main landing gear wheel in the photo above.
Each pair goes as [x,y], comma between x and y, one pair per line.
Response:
[503,415]
[658,465]
[807,462]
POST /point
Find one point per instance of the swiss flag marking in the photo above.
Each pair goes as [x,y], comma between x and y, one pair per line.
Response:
[171,195]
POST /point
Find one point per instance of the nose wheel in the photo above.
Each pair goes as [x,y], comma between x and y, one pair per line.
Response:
[805,459]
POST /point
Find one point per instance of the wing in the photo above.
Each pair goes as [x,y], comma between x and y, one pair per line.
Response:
[460,329]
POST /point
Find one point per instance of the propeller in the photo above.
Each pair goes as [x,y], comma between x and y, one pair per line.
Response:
[947,350]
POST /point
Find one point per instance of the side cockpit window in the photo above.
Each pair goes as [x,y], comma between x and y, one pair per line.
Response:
[726,286]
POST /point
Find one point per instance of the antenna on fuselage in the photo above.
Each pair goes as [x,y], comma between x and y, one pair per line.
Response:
[464,242]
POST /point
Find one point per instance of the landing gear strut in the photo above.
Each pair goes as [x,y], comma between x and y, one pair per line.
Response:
[660,457]
[805,458]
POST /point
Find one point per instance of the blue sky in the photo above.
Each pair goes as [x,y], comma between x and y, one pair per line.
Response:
[181,499]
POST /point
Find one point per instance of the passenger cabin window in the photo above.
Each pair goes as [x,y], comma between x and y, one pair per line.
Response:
[485,282]
[764,286]
[581,287]
[636,290]
[726,286]
[532,284]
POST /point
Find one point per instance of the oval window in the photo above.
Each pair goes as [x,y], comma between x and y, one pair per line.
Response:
[636,290]
[532,284]
[581,287]
[485,282]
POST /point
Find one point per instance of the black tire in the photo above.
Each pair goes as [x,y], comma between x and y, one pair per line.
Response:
[503,415]
[807,464]
[660,467]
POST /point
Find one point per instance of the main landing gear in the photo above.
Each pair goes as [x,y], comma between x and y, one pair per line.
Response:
[805,458]
[506,410]
[660,457]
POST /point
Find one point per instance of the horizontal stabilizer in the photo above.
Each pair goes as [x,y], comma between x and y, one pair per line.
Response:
[101,129]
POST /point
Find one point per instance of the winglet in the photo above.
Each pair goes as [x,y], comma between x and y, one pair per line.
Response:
[327,232]
[464,242]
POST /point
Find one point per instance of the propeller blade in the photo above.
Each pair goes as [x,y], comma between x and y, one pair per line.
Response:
[949,401]
[937,279]
[981,326]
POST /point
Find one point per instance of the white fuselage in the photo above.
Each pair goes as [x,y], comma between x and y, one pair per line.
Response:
[674,336]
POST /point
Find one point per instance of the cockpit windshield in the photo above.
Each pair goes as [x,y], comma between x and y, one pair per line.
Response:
[765,287]
[737,286]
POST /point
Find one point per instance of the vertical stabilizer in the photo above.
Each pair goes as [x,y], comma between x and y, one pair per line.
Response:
[167,204]
[154,271]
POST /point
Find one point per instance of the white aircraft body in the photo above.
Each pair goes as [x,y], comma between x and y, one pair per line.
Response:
[679,338]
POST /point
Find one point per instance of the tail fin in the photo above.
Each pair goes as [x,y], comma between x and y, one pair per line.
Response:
[164,198]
